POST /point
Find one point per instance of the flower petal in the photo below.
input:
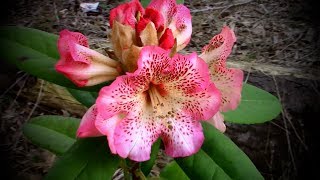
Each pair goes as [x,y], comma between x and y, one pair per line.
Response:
[166,7]
[177,18]
[135,130]
[66,36]
[135,135]
[149,35]
[126,13]
[122,95]
[218,122]
[181,26]
[228,81]
[156,17]
[183,81]
[107,127]
[86,67]
[87,126]
[130,57]
[167,39]
[162,89]
[219,48]
[182,136]
[122,38]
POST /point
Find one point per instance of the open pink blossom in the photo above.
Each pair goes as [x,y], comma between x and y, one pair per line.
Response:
[165,98]
[227,80]
[163,23]
[83,66]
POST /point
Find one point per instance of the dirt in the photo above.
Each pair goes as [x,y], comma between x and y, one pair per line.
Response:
[277,47]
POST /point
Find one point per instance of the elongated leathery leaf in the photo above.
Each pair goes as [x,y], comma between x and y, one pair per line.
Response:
[147,165]
[201,166]
[34,52]
[227,155]
[218,159]
[256,106]
[87,159]
[173,171]
[54,133]
[84,97]
[146,2]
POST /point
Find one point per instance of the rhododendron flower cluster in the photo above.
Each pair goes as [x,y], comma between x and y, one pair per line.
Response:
[162,94]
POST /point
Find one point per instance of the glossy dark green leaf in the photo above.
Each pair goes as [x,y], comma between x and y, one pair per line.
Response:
[201,166]
[88,158]
[227,155]
[146,2]
[54,133]
[256,106]
[218,159]
[34,52]
[147,165]
[173,171]
[86,98]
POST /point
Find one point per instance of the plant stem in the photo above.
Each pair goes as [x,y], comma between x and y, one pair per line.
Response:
[136,171]
[126,170]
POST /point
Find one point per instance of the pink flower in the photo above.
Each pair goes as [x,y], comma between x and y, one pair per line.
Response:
[83,66]
[227,80]
[165,98]
[163,23]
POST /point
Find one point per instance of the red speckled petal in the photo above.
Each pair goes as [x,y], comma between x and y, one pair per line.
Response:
[228,81]
[177,18]
[218,122]
[156,17]
[166,7]
[219,47]
[107,127]
[164,93]
[86,67]
[67,36]
[122,95]
[183,82]
[136,133]
[83,66]
[126,13]
[125,103]
[167,39]
[87,126]
[182,136]
[181,26]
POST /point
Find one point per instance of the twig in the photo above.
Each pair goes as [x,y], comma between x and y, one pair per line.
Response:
[31,112]
[56,12]
[37,101]
[293,42]
[221,7]
[285,125]
[19,92]
[12,85]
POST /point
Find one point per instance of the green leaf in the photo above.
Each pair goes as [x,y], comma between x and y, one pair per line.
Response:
[180,1]
[54,133]
[146,2]
[218,159]
[84,97]
[228,155]
[43,42]
[173,171]
[256,106]
[201,166]
[34,52]
[147,165]
[88,158]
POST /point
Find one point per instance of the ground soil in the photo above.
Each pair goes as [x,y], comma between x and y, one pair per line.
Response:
[277,47]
